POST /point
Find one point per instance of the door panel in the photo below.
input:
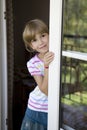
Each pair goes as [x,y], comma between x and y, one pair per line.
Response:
[74,65]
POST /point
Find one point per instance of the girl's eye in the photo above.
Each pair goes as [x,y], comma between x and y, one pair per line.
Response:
[33,40]
[43,35]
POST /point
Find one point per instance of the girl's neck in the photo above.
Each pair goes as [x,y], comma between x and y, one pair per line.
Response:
[41,56]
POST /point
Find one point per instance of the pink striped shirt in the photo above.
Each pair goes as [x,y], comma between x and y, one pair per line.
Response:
[37,101]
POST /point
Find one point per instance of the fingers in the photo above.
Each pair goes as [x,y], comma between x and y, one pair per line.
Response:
[48,58]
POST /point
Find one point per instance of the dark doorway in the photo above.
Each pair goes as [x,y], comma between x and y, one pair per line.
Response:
[20,83]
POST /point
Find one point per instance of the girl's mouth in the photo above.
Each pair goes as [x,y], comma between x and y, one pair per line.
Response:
[43,46]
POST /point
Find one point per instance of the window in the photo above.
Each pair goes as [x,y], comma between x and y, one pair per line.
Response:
[74,65]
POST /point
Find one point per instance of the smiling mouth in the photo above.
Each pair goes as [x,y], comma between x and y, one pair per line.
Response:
[43,46]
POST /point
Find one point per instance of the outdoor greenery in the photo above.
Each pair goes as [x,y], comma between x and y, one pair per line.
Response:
[75,24]
[75,99]
[75,38]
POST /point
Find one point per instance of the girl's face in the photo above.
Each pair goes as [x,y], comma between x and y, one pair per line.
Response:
[40,43]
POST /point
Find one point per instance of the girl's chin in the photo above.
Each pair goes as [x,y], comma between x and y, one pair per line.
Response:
[44,51]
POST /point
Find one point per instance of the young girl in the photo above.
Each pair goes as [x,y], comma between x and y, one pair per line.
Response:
[36,38]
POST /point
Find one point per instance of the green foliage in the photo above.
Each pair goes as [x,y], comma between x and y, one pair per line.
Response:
[75,17]
[75,99]
[75,22]
[75,25]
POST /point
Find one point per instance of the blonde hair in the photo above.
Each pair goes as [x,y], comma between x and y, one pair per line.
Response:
[31,29]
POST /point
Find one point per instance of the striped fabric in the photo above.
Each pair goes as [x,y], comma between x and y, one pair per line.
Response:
[37,101]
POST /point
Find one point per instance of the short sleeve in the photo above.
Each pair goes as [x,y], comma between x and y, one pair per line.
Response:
[33,68]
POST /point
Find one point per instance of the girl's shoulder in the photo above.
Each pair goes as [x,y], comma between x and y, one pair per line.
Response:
[35,66]
[31,61]
[34,60]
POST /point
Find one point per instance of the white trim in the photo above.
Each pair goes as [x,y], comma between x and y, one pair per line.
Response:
[75,55]
[54,70]
[3,66]
[67,127]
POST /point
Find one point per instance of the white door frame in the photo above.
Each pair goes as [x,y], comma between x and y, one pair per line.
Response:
[3,67]
[54,71]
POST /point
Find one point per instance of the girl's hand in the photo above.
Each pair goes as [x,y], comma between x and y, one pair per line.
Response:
[48,58]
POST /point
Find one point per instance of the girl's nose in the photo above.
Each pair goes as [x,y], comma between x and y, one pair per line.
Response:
[40,41]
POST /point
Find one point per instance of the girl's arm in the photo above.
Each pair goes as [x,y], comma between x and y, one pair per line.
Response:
[42,81]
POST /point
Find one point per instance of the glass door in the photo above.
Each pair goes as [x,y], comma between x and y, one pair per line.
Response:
[74,66]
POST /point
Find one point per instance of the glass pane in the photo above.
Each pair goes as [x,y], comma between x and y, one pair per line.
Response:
[75,25]
[74,93]
[74,71]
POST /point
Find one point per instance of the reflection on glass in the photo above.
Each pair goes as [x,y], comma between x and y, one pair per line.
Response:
[74,93]
[75,25]
[74,71]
